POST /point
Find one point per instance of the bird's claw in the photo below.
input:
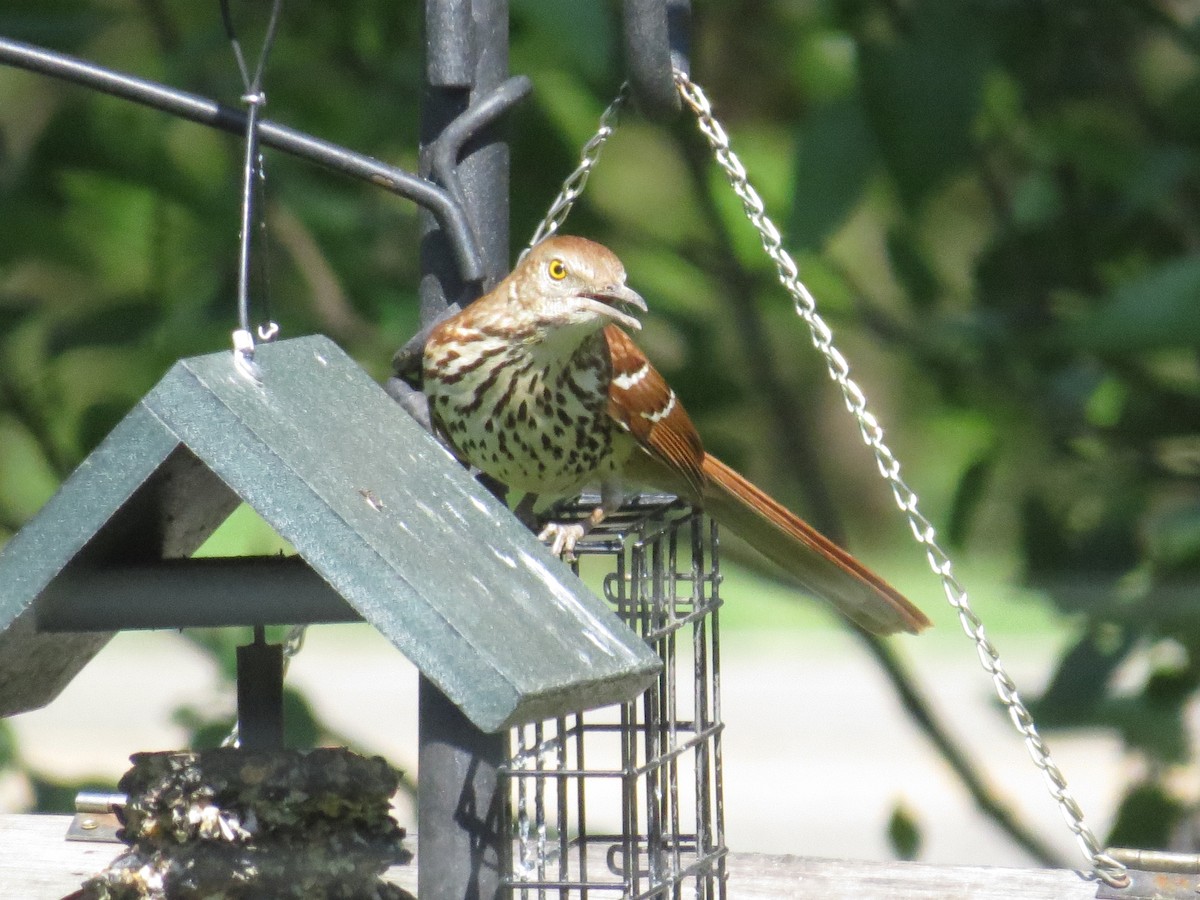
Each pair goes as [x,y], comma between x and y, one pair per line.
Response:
[562,539]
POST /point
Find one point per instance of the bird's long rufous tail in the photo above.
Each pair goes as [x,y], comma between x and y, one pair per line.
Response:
[807,555]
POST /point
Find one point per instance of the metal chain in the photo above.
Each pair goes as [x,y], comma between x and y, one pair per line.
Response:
[1105,866]
[575,182]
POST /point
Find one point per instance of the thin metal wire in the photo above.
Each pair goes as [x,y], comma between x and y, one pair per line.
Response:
[574,184]
[267,329]
[252,174]
[1108,869]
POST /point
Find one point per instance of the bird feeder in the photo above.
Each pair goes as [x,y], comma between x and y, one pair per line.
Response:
[653,764]
[387,528]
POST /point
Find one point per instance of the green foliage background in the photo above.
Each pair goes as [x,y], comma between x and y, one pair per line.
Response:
[996,202]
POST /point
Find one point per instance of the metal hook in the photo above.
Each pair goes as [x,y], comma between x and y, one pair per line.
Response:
[444,155]
[446,149]
[656,43]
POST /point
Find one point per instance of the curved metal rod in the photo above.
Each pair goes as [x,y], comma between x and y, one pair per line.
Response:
[198,109]
[656,33]
[444,151]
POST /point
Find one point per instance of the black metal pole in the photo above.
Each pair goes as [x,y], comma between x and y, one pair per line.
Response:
[463,66]
[461,808]
[260,694]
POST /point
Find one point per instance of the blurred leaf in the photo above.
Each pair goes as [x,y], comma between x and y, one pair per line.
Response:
[53,796]
[1155,728]
[122,321]
[1081,680]
[97,421]
[1037,200]
[300,722]
[1107,403]
[117,144]
[1158,309]
[1079,564]
[571,110]
[968,496]
[934,60]
[15,311]
[204,731]
[8,746]
[1171,606]
[221,644]
[1162,173]
[912,269]
[1173,537]
[59,23]
[834,159]
[827,63]
[904,834]
[566,34]
[1146,818]
[1170,687]
[1157,416]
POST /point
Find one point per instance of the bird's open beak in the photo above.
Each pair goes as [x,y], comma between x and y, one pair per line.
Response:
[615,296]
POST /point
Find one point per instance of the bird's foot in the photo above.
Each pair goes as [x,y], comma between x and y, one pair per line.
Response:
[562,538]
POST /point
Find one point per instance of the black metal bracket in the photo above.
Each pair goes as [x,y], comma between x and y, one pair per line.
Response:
[447,148]
[444,154]
[260,694]
[439,201]
[656,42]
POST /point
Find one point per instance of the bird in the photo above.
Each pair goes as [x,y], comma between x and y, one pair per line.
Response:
[538,385]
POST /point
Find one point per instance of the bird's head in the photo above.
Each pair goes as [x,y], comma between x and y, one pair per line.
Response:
[570,282]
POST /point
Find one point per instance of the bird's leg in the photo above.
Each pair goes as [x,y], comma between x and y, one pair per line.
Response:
[494,486]
[562,537]
[525,511]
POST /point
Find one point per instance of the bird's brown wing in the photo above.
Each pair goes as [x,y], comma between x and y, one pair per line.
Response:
[643,404]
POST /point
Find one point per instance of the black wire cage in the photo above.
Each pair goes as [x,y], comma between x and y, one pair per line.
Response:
[650,769]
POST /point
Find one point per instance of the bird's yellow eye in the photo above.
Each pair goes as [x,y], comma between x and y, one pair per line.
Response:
[557,270]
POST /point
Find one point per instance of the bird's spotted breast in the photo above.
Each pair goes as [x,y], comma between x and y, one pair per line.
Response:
[537,424]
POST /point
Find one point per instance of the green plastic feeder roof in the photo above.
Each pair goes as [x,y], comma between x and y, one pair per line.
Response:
[386,525]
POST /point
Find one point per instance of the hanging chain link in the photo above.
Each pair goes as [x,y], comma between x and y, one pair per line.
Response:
[1106,867]
[575,182]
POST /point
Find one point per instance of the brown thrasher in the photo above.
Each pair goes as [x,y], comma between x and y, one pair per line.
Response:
[536,385]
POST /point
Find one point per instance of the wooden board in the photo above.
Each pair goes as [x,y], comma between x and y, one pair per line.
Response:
[756,876]
[37,864]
